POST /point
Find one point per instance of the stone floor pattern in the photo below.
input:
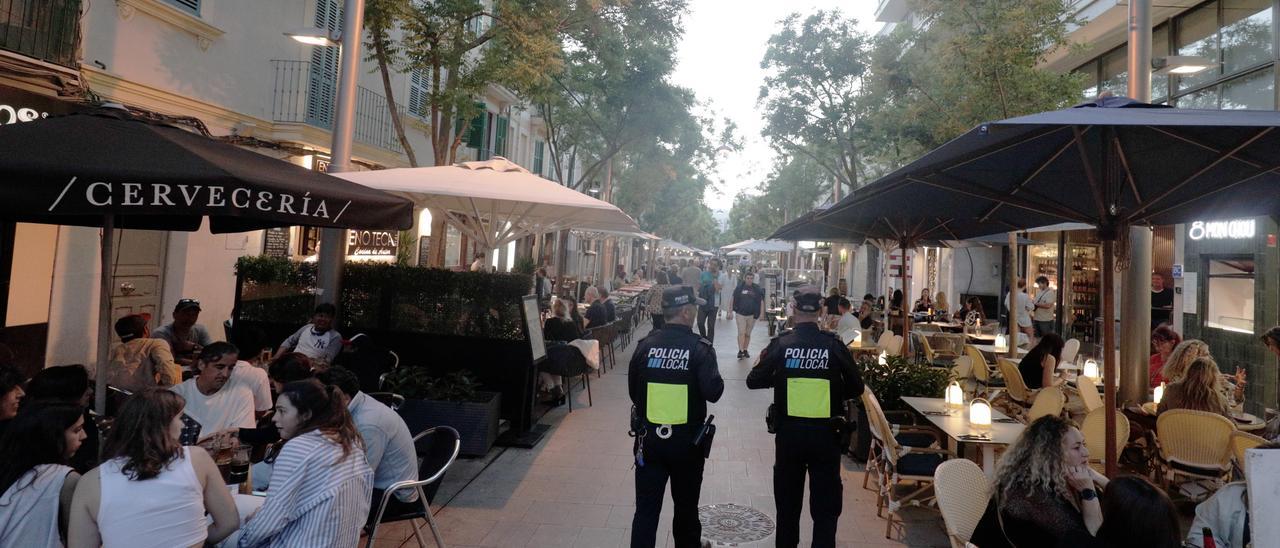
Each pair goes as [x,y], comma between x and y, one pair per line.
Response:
[576,488]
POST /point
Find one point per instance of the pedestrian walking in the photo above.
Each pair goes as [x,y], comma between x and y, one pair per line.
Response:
[728,281]
[1042,309]
[709,291]
[812,374]
[672,376]
[748,304]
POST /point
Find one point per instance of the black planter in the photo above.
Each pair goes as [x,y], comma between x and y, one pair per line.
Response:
[861,442]
[476,422]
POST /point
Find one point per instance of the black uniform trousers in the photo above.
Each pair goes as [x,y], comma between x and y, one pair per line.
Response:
[682,462]
[812,448]
[707,322]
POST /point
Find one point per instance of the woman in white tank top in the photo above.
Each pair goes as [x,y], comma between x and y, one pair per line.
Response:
[151,491]
[35,481]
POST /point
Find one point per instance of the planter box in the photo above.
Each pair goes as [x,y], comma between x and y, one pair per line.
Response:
[476,422]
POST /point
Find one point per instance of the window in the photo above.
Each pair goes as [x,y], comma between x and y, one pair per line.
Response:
[537,157]
[1198,36]
[1246,34]
[1230,295]
[500,136]
[192,6]
[309,243]
[452,246]
[322,83]
[1115,72]
[419,102]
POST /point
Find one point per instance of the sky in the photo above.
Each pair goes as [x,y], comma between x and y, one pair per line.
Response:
[719,59]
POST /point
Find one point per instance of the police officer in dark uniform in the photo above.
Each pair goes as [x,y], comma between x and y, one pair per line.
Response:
[811,373]
[672,376]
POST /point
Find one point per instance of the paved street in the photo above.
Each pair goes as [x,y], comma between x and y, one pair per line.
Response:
[576,488]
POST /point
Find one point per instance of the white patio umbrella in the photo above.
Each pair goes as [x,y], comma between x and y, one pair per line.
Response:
[509,201]
[769,246]
[738,253]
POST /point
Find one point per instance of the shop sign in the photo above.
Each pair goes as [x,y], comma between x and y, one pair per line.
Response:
[1177,271]
[1239,229]
[372,243]
[18,106]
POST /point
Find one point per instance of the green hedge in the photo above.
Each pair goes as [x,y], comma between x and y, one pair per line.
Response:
[900,377]
[387,296]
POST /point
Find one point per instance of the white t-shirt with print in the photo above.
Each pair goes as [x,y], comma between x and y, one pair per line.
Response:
[229,407]
[317,346]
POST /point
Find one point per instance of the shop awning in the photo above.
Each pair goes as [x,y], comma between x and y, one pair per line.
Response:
[508,201]
[765,246]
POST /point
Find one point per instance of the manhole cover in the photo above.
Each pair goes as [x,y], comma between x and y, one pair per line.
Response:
[734,524]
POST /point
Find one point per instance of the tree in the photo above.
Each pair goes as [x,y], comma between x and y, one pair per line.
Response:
[811,95]
[382,19]
[794,187]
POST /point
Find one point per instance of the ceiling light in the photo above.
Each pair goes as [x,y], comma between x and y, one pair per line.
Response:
[1181,64]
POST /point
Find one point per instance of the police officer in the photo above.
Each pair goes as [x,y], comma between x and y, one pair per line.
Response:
[811,373]
[672,376]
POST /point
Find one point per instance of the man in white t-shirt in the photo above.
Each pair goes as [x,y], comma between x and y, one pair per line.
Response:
[212,400]
[1045,302]
[255,379]
[1021,315]
[316,340]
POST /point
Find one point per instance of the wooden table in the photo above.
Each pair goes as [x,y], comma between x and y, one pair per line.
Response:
[956,424]
[980,338]
[949,327]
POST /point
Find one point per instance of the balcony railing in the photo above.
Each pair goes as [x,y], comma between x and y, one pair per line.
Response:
[41,29]
[304,95]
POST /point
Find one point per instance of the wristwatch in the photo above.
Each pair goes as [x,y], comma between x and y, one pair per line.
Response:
[1088,494]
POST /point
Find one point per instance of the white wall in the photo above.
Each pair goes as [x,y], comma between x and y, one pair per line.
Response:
[31,279]
[73,308]
[975,277]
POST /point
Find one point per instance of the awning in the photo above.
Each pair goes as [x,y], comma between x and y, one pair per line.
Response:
[760,246]
[509,201]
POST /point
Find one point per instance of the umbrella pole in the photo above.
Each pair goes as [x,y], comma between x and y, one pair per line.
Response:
[906,298]
[1109,356]
[1013,297]
[104,315]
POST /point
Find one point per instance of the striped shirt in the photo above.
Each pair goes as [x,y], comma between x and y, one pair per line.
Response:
[316,497]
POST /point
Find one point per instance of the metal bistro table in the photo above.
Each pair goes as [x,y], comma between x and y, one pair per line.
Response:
[1003,431]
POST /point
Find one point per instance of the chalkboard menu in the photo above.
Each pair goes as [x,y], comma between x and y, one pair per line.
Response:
[424,250]
[276,242]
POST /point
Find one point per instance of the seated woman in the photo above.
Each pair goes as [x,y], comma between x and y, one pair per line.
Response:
[1039,367]
[1164,339]
[35,481]
[895,312]
[1134,513]
[971,312]
[1044,490]
[560,326]
[69,384]
[151,491]
[940,305]
[924,303]
[1180,359]
[320,483]
[1199,390]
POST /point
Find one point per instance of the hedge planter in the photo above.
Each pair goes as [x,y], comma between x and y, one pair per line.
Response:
[476,422]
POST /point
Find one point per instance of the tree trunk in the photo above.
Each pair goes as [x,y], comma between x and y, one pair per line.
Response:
[380,53]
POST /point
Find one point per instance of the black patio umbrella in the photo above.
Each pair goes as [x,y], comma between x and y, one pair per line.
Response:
[106,168]
[1111,164]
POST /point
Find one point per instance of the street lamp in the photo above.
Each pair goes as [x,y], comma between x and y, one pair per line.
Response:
[1181,64]
[333,248]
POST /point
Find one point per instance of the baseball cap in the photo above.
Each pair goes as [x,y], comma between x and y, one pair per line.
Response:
[185,304]
[680,295]
[808,302]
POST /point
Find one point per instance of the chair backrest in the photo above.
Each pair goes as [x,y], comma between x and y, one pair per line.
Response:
[1242,441]
[1094,429]
[1013,380]
[1196,438]
[389,399]
[395,359]
[883,430]
[923,340]
[886,341]
[437,447]
[1088,393]
[1049,401]
[962,368]
[979,362]
[1070,349]
[895,347]
[963,491]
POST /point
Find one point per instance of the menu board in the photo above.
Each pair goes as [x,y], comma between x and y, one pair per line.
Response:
[424,250]
[275,243]
[533,325]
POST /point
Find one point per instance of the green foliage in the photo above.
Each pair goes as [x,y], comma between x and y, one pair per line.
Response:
[791,190]
[524,265]
[900,377]
[418,384]
[388,296]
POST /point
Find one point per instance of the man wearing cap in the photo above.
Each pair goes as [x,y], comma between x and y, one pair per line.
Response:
[812,374]
[184,335]
[672,376]
[140,361]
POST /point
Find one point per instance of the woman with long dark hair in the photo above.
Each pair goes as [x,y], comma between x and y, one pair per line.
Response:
[150,491]
[1040,366]
[69,384]
[36,485]
[1137,513]
[320,482]
[1044,490]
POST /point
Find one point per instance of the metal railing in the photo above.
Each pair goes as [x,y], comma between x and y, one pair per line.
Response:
[295,86]
[41,29]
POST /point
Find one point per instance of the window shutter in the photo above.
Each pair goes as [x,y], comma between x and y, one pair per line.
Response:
[500,139]
[418,93]
[192,6]
[322,85]
[537,157]
[475,137]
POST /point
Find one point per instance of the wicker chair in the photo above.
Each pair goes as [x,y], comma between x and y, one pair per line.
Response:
[895,347]
[1070,349]
[1049,402]
[1241,442]
[981,369]
[906,433]
[885,343]
[1194,445]
[1014,386]
[1094,429]
[1088,393]
[899,465]
[963,491]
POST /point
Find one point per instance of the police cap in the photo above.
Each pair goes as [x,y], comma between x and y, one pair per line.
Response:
[678,296]
[808,302]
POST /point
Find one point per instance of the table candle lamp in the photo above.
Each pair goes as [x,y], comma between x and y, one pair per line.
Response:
[857,337]
[955,395]
[1158,394]
[1090,368]
[1002,343]
[980,413]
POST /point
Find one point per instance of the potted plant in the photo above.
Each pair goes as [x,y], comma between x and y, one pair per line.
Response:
[897,378]
[453,399]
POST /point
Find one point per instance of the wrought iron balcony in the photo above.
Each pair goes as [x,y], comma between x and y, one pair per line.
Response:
[41,29]
[305,93]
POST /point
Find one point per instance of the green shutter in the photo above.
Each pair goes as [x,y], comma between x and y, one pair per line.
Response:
[475,136]
[500,139]
[322,82]
[537,157]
